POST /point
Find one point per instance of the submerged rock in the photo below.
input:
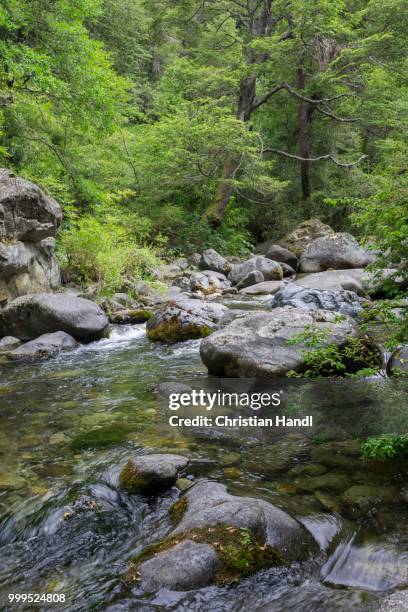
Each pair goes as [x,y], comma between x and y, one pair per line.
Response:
[259,345]
[29,316]
[151,473]
[47,345]
[337,251]
[271,270]
[211,260]
[344,302]
[185,319]
[364,497]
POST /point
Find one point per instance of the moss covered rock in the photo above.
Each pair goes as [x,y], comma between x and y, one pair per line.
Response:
[130,316]
[151,473]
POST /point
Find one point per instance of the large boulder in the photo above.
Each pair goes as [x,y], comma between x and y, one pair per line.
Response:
[252,278]
[47,345]
[270,270]
[338,251]
[185,319]
[282,255]
[211,260]
[151,473]
[222,538]
[28,222]
[300,237]
[334,280]
[265,288]
[29,316]
[344,302]
[257,346]
[26,213]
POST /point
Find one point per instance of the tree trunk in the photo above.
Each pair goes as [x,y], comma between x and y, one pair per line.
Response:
[216,210]
[304,138]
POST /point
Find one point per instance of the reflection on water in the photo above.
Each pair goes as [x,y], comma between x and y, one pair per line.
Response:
[67,425]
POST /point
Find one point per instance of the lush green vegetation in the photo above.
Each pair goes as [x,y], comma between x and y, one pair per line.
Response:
[386,447]
[164,126]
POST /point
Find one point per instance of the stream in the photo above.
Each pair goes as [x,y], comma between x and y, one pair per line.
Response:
[68,425]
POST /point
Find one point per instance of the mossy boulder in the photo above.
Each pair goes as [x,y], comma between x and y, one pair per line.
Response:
[364,497]
[130,316]
[151,473]
[184,320]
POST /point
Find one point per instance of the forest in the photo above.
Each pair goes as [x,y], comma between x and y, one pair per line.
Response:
[167,127]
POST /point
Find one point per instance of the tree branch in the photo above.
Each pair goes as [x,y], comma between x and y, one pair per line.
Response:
[286,87]
[328,156]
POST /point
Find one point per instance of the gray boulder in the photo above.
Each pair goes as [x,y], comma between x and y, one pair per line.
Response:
[188,565]
[209,503]
[211,260]
[282,255]
[287,270]
[47,345]
[151,473]
[266,288]
[28,222]
[209,282]
[398,362]
[252,278]
[271,270]
[344,302]
[29,316]
[334,280]
[337,251]
[257,346]
[185,319]
[9,343]
[26,213]
[302,235]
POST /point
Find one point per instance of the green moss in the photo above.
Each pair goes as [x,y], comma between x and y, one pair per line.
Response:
[240,551]
[99,438]
[173,330]
[131,479]
[178,509]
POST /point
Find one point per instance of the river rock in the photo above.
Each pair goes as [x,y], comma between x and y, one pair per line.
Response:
[209,503]
[252,278]
[265,288]
[287,270]
[271,270]
[344,302]
[300,237]
[257,345]
[334,280]
[338,251]
[130,316]
[9,343]
[28,222]
[185,319]
[47,345]
[211,260]
[282,255]
[365,497]
[29,316]
[208,282]
[188,565]
[398,362]
[151,473]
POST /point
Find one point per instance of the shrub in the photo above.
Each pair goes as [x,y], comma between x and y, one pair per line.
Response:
[387,446]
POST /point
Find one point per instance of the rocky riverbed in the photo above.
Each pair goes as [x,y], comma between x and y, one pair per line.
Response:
[101,499]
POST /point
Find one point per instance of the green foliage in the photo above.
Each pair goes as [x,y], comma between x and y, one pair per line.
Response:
[355,357]
[99,248]
[386,447]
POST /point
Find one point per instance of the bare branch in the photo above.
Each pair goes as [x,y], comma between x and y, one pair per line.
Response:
[328,156]
[286,87]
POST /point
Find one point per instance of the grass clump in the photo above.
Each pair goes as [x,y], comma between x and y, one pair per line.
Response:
[240,551]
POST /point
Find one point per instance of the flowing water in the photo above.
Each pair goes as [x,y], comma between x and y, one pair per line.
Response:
[69,424]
